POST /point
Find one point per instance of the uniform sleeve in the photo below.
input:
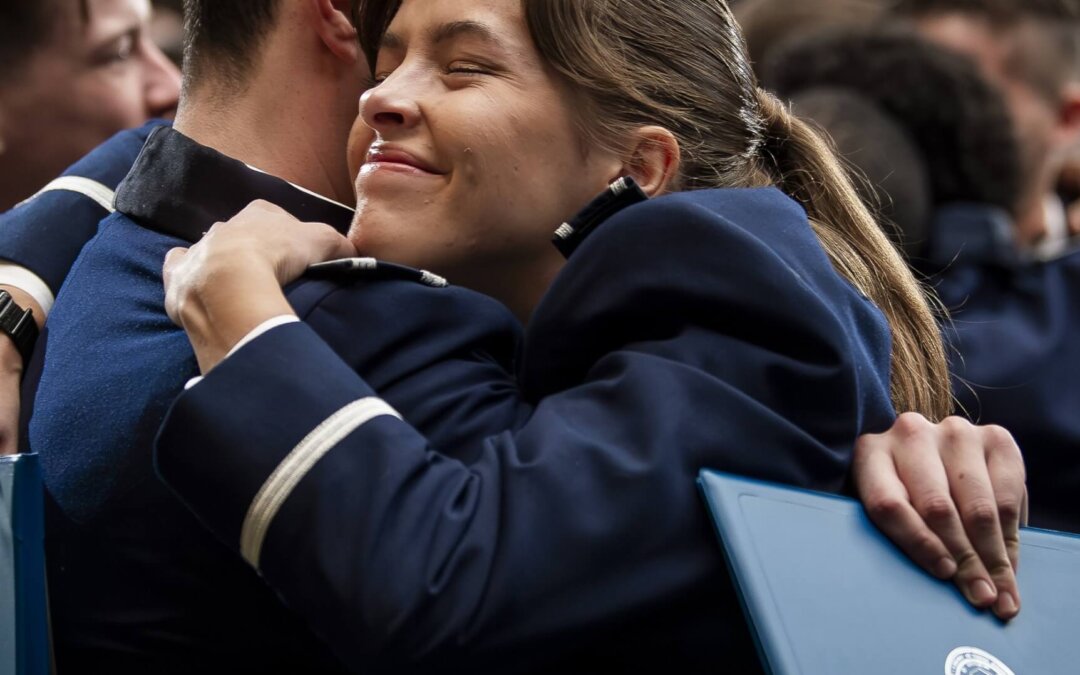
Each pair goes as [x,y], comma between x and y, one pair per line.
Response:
[395,551]
[45,233]
[400,549]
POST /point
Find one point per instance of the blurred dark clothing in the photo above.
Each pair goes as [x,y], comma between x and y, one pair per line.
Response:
[1015,338]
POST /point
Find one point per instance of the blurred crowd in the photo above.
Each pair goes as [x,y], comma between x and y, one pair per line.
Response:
[958,121]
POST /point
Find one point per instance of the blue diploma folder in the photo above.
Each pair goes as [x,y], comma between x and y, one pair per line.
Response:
[827,594]
[24,648]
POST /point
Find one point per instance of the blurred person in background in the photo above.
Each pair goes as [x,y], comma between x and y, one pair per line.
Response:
[1031,50]
[1014,322]
[769,24]
[73,73]
[954,121]
[167,29]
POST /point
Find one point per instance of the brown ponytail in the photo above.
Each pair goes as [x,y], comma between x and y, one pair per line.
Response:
[682,64]
[805,167]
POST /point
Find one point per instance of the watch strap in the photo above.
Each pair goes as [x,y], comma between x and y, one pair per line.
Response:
[18,324]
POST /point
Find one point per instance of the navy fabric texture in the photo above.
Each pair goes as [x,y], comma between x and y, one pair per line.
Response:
[45,234]
[563,531]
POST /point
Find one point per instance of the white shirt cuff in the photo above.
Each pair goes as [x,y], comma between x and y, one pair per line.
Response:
[264,327]
[29,283]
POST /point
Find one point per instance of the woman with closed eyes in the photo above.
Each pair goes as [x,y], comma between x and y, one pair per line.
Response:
[433,489]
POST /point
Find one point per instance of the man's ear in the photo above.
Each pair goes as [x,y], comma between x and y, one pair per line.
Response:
[335,28]
[653,160]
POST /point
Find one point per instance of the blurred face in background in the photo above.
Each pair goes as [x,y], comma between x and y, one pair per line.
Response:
[1012,58]
[95,72]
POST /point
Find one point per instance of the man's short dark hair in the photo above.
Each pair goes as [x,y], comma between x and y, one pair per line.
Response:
[224,37]
[959,121]
[25,27]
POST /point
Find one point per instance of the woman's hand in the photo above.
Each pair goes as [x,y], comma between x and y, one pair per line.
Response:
[952,496]
[230,282]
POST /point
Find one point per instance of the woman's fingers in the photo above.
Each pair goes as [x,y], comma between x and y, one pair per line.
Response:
[230,282]
[952,496]
[1005,465]
[966,453]
[268,233]
[888,505]
[919,465]
[174,261]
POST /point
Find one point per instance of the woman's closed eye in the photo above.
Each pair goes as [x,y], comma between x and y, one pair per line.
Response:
[468,68]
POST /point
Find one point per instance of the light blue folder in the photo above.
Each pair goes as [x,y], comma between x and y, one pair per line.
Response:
[826,594]
[24,645]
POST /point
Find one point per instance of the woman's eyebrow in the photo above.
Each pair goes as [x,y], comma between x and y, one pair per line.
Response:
[454,29]
[446,32]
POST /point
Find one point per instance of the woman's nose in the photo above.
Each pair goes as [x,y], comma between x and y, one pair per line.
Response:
[390,106]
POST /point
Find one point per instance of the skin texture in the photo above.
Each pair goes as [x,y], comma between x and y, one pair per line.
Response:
[470,205]
[91,79]
[495,128]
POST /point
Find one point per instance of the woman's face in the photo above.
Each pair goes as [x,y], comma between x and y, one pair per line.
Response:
[467,153]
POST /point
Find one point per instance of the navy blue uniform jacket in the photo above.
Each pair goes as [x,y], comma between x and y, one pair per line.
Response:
[136,584]
[546,517]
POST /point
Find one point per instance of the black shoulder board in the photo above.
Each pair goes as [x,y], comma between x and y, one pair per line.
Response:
[622,193]
[370,268]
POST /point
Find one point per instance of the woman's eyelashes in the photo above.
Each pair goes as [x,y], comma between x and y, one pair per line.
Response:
[465,68]
[456,67]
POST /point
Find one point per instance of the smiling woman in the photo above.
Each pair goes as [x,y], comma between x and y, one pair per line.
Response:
[441,493]
[72,73]
[672,118]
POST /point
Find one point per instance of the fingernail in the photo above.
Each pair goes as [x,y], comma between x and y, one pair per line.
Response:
[1007,604]
[945,568]
[982,593]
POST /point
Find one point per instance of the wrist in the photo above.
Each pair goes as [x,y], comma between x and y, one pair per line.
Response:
[18,325]
[11,360]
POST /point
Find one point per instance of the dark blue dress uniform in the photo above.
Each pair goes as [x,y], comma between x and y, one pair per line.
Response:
[561,530]
[136,583]
[1015,338]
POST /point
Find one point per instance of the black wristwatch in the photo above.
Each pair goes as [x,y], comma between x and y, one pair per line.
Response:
[18,324]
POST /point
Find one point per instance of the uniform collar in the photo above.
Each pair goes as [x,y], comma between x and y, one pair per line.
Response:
[181,188]
[620,194]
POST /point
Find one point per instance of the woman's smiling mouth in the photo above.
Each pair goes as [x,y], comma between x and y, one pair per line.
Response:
[383,156]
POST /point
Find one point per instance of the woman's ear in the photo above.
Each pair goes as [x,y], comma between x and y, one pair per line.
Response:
[653,161]
[336,29]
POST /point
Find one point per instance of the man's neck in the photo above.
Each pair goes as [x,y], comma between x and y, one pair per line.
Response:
[286,136]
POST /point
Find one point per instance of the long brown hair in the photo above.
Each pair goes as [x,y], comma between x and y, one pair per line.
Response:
[682,65]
